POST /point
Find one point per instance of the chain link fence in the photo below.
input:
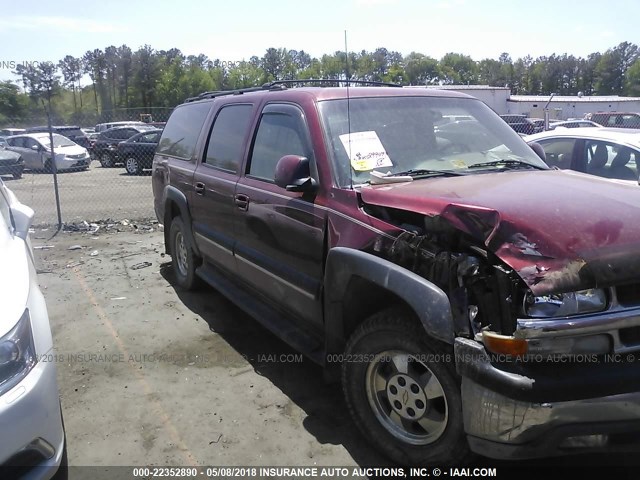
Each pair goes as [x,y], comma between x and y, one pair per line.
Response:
[102,166]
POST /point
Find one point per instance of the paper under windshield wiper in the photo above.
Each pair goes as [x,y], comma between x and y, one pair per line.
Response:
[511,163]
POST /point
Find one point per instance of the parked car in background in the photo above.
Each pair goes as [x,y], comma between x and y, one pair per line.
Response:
[105,148]
[72,132]
[33,440]
[605,152]
[615,119]
[137,151]
[573,124]
[35,150]
[101,127]
[521,124]
[11,163]
[6,132]
[538,123]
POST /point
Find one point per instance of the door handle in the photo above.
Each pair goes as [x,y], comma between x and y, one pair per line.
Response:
[199,188]
[242,201]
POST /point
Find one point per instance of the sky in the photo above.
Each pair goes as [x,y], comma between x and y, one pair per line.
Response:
[235,30]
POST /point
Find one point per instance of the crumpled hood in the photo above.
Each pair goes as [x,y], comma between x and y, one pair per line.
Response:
[560,230]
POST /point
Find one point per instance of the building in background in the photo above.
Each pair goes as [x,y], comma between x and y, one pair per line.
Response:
[560,107]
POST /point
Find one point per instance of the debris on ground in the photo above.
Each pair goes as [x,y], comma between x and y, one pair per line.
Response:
[43,247]
[75,247]
[94,253]
[140,265]
[109,225]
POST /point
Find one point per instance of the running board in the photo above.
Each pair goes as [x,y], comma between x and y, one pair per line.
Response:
[271,319]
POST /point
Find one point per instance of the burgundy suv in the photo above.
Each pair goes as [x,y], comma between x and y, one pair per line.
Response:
[469,298]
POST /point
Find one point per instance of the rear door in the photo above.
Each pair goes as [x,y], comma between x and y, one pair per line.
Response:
[214,182]
[33,159]
[279,241]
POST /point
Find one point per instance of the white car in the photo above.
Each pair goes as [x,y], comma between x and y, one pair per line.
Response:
[573,124]
[612,153]
[32,439]
[35,149]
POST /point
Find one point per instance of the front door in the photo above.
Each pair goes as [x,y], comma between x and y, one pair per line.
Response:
[280,234]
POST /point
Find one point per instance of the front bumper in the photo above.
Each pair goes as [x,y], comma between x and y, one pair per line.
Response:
[516,411]
[31,425]
[8,167]
[72,163]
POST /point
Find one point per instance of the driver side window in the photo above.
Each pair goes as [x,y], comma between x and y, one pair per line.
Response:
[279,134]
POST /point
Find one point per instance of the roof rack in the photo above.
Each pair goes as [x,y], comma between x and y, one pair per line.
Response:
[283,85]
[335,80]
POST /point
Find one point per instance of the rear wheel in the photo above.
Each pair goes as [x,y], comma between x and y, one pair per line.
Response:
[106,160]
[17,175]
[183,258]
[132,165]
[403,392]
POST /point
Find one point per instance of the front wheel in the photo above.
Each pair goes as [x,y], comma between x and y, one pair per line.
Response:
[183,258]
[402,391]
[106,160]
[132,165]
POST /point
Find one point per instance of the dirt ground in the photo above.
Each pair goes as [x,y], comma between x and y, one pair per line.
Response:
[152,375]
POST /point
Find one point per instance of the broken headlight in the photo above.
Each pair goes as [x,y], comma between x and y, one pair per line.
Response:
[565,304]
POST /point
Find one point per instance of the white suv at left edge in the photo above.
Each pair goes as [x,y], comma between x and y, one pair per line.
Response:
[32,439]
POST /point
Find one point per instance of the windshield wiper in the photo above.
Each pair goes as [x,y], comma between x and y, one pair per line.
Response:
[510,163]
[419,172]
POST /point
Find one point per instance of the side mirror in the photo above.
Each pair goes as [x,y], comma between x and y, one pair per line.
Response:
[536,147]
[35,148]
[22,218]
[294,175]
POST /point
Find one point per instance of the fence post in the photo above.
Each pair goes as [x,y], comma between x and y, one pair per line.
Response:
[54,168]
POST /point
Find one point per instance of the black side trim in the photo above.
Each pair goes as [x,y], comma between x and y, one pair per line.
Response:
[429,302]
[176,196]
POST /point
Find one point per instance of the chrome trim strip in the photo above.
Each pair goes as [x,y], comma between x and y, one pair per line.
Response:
[577,325]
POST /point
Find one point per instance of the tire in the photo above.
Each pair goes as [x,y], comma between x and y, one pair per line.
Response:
[183,260]
[17,175]
[106,160]
[48,166]
[403,393]
[132,166]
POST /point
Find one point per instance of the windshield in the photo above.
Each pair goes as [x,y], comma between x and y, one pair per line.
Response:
[420,135]
[58,141]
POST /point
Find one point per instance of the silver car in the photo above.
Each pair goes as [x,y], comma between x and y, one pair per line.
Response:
[35,149]
[612,153]
[32,439]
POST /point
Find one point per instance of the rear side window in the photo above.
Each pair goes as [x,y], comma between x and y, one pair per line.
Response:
[226,142]
[181,133]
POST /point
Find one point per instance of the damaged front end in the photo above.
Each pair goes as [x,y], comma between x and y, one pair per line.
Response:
[541,340]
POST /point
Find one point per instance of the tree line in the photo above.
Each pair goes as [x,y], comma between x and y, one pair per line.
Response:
[119,83]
